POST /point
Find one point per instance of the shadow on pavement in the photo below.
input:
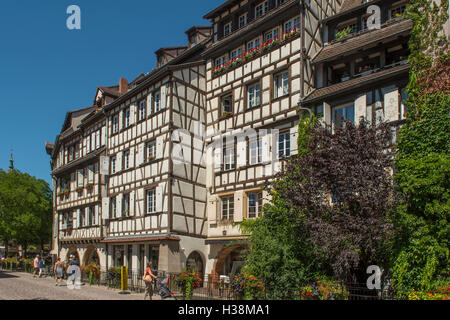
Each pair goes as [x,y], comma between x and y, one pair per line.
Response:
[4,275]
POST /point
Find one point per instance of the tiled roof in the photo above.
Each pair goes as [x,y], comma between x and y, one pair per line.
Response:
[112,91]
[355,83]
[350,4]
[363,40]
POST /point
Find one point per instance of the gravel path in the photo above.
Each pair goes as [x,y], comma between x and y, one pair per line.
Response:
[22,286]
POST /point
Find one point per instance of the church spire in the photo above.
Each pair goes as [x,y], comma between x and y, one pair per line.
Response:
[11,162]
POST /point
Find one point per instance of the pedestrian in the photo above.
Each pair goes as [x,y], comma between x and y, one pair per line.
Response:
[58,271]
[36,266]
[41,267]
[148,279]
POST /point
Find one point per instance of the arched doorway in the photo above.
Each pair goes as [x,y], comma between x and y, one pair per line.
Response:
[72,251]
[195,263]
[91,256]
[230,261]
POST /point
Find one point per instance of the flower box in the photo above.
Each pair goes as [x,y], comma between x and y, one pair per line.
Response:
[226,114]
[151,158]
[80,190]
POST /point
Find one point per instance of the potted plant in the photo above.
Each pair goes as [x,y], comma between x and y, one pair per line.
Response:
[80,190]
[189,281]
[151,158]
[289,34]
[344,33]
[93,271]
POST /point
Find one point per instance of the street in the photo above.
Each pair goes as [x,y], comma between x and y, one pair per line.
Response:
[22,286]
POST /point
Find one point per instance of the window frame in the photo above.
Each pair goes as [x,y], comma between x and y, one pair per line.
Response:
[229,216]
[153,205]
[222,109]
[283,138]
[264,5]
[142,110]
[258,95]
[285,84]
[258,204]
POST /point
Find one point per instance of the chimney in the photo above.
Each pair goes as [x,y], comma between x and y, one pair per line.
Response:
[123,86]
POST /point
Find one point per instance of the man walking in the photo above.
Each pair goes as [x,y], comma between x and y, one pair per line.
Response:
[36,266]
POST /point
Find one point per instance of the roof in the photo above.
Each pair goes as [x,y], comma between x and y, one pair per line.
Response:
[363,40]
[214,13]
[198,28]
[111,91]
[349,6]
[140,239]
[356,83]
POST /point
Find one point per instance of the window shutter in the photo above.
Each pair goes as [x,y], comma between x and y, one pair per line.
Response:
[294,140]
[149,104]
[266,148]
[159,199]
[91,174]
[139,208]
[391,102]
[120,119]
[97,139]
[239,206]
[92,141]
[105,208]
[241,152]
[160,147]
[119,162]
[132,203]
[360,108]
[119,205]
[140,155]
[103,141]
[79,218]
[132,113]
[132,157]
[88,144]
[326,115]
[217,159]
[164,91]
[80,178]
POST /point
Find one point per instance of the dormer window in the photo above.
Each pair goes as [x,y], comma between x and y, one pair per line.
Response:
[253,44]
[243,19]
[227,29]
[192,39]
[160,60]
[272,34]
[261,9]
[220,61]
[292,24]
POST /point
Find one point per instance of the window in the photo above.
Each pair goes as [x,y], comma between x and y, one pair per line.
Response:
[291,24]
[142,110]
[342,114]
[77,150]
[284,145]
[126,117]
[255,151]
[228,157]
[254,205]
[253,44]
[113,213]
[126,205]
[404,100]
[157,101]
[281,85]
[272,34]
[279,2]
[227,208]
[351,26]
[126,159]
[150,150]
[83,221]
[116,124]
[261,9]
[92,218]
[71,154]
[227,29]
[254,95]
[220,61]
[113,165]
[226,103]
[235,53]
[192,39]
[243,19]
[151,201]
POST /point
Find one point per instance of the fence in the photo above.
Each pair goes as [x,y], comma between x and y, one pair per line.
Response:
[209,290]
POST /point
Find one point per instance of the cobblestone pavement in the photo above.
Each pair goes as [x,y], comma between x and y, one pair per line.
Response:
[22,286]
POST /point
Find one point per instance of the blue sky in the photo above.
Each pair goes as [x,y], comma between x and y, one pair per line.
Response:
[47,70]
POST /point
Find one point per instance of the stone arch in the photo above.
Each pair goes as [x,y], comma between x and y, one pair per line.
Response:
[72,251]
[91,255]
[196,262]
[221,259]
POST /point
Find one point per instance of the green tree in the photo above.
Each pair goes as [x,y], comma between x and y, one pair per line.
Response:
[26,209]
[423,161]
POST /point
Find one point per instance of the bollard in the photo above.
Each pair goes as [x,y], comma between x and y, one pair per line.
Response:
[124,280]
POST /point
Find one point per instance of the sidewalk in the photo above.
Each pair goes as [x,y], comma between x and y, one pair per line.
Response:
[22,286]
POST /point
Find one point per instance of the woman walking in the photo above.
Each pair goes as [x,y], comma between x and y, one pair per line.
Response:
[148,279]
[58,271]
